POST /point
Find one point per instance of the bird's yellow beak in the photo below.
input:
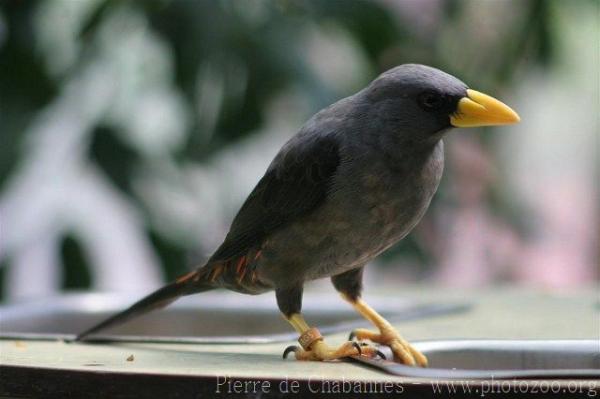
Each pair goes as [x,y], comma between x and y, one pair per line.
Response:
[478,109]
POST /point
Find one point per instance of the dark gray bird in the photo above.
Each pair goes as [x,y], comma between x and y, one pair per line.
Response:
[353,181]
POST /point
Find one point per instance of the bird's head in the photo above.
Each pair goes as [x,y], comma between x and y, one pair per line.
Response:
[424,102]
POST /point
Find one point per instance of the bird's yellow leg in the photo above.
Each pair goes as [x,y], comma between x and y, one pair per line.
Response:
[314,347]
[387,335]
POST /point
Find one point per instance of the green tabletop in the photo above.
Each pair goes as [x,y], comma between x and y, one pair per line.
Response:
[501,313]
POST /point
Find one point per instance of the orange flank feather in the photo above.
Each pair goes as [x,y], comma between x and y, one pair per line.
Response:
[216,272]
[240,264]
[186,277]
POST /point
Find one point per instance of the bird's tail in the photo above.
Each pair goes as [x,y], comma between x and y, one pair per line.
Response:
[188,284]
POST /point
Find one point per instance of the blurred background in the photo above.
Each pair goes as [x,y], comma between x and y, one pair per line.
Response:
[131,132]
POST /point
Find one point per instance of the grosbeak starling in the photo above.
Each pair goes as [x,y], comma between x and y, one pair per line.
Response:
[355,179]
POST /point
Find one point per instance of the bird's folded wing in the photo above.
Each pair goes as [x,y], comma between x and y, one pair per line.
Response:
[296,183]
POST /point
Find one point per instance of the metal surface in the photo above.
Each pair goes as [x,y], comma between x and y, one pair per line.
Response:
[218,318]
[209,318]
[499,359]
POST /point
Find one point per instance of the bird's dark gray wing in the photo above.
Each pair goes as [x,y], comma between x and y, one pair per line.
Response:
[296,183]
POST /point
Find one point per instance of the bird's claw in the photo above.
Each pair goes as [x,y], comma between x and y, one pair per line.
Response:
[320,351]
[357,346]
[402,351]
[379,353]
[290,349]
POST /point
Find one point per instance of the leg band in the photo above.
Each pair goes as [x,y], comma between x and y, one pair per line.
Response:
[309,337]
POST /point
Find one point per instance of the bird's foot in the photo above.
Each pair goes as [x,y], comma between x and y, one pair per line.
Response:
[403,352]
[314,348]
[320,351]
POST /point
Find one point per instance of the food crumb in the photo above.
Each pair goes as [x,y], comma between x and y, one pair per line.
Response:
[20,344]
[130,358]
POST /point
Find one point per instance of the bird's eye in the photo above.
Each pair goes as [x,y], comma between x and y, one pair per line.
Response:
[430,100]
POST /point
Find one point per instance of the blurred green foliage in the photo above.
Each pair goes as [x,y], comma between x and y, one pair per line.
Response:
[256,47]
[218,30]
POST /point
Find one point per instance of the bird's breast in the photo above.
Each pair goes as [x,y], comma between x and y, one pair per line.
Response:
[375,207]
[392,197]
[391,203]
